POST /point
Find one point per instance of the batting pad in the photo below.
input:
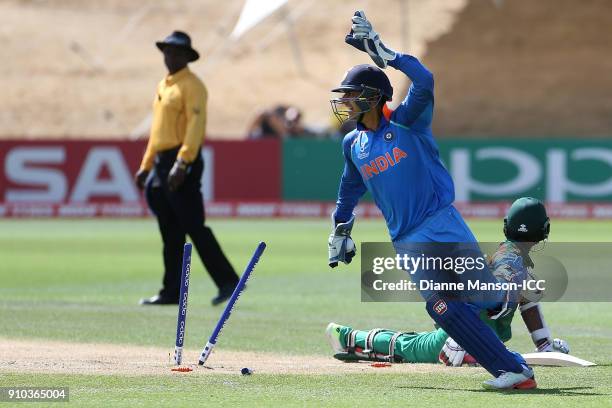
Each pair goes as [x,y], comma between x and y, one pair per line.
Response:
[462,323]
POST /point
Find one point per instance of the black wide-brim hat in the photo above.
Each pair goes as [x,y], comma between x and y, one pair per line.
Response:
[181,40]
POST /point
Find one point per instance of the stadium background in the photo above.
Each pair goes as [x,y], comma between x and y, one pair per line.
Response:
[523,101]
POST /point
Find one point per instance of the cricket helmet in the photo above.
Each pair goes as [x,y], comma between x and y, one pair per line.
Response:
[527,221]
[372,84]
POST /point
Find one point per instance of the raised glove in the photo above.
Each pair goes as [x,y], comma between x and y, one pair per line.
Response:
[340,244]
[454,355]
[141,178]
[557,345]
[177,175]
[364,38]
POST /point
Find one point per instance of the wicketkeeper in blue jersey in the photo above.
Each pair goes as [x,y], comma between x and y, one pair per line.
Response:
[393,155]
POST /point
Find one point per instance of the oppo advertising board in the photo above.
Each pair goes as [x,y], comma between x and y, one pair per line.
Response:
[557,171]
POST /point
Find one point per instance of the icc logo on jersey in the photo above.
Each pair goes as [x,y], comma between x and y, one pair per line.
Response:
[364,149]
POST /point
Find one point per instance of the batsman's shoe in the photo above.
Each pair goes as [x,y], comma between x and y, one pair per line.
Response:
[509,381]
[332,332]
[224,294]
[159,300]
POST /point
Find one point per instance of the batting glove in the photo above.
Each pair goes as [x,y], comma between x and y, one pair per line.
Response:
[340,244]
[453,355]
[364,38]
[557,345]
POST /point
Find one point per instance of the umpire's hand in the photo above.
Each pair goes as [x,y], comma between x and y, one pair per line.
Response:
[177,175]
[141,178]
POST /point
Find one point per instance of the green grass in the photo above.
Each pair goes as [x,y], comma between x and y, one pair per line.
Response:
[80,281]
[572,387]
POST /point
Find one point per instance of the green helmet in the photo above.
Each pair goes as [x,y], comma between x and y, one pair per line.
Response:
[527,221]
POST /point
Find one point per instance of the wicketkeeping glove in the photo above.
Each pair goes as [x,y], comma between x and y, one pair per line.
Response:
[558,345]
[340,244]
[364,38]
[454,355]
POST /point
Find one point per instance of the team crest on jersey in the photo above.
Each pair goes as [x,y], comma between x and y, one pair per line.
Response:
[364,147]
[388,136]
[440,307]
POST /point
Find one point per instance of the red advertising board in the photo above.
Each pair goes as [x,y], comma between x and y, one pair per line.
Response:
[94,178]
[246,170]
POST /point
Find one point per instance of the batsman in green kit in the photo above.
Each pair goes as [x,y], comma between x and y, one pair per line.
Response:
[525,225]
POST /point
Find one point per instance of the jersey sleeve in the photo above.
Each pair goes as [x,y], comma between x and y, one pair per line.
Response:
[416,110]
[195,99]
[149,156]
[510,271]
[351,187]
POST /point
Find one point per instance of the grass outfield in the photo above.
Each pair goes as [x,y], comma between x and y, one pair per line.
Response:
[80,281]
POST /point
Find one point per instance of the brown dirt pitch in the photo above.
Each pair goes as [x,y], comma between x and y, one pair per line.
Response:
[57,357]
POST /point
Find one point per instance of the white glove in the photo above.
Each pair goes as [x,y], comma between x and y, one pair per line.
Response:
[558,345]
[454,355]
[340,244]
[362,30]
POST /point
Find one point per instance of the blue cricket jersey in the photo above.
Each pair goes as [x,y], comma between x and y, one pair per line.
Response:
[399,162]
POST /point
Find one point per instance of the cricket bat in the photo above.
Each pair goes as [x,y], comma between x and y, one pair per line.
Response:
[556,359]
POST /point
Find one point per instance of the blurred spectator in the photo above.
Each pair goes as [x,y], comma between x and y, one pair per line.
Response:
[269,124]
[346,127]
[293,122]
[338,131]
[280,122]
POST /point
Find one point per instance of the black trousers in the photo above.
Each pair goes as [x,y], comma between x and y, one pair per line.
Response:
[181,213]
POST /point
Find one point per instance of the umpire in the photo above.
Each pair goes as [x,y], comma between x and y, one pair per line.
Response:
[174,162]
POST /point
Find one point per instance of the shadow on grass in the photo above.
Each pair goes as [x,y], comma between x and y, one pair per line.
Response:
[573,391]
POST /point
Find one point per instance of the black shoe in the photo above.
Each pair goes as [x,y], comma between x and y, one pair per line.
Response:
[159,300]
[224,293]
